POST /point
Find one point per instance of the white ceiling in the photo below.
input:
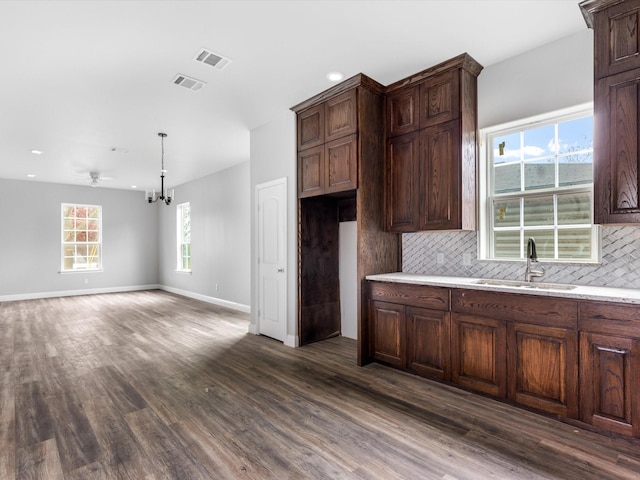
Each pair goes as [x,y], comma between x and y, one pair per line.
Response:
[80,79]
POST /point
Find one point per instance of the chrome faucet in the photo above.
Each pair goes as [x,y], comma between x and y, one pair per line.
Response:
[532,257]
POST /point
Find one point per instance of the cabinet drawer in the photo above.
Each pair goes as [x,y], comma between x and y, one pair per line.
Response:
[610,319]
[546,311]
[435,298]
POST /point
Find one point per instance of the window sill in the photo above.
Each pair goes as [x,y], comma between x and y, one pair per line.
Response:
[187,272]
[65,272]
[575,263]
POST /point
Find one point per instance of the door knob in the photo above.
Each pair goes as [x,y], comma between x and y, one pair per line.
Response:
[281,270]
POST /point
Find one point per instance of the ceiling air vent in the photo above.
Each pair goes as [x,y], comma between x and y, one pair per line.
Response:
[188,82]
[216,60]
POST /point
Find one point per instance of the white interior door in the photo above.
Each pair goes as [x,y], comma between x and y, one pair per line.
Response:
[272,266]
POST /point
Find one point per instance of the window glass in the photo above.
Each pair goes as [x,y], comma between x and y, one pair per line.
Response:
[184,236]
[81,237]
[540,184]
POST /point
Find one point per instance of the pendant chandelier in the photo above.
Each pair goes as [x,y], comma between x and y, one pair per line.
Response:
[167,196]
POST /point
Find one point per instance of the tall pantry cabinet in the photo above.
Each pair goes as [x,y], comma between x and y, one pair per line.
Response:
[340,144]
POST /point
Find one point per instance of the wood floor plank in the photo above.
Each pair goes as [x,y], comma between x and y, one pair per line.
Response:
[150,385]
[39,461]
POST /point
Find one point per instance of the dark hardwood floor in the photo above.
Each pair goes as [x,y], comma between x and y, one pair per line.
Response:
[150,385]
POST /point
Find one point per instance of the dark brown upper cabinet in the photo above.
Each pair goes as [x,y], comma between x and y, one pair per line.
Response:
[328,146]
[616,163]
[616,31]
[440,99]
[431,156]
[402,111]
[340,116]
[311,127]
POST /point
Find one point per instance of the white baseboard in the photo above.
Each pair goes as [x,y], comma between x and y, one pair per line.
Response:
[205,298]
[72,293]
[292,341]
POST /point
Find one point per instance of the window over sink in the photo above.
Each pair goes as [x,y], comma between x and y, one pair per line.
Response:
[536,180]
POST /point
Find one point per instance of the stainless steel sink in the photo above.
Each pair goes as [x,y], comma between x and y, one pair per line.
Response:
[521,284]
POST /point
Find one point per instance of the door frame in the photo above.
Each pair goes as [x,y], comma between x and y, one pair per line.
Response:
[255,329]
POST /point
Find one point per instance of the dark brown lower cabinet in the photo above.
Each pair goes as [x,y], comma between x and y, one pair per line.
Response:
[428,340]
[388,333]
[542,366]
[610,382]
[575,359]
[478,353]
[411,338]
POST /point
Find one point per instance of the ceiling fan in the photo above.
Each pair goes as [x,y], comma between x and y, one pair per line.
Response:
[96,178]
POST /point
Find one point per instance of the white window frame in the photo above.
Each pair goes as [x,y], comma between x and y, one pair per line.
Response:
[179,238]
[485,233]
[64,244]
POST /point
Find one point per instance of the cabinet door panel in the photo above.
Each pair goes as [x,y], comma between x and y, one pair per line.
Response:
[440,99]
[617,142]
[311,172]
[478,353]
[428,341]
[543,368]
[311,127]
[342,164]
[340,116]
[402,111]
[402,182]
[439,177]
[388,333]
[617,39]
[610,386]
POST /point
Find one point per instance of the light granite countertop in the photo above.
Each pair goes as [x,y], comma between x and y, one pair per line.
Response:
[580,292]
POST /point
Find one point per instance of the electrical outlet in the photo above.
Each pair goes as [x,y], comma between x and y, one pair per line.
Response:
[440,258]
[217,287]
[86,280]
[466,259]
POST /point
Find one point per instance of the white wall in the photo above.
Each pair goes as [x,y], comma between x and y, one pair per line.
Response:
[30,241]
[220,239]
[348,273]
[273,156]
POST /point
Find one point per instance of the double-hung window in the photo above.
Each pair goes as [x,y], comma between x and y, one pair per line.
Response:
[81,237]
[539,183]
[184,237]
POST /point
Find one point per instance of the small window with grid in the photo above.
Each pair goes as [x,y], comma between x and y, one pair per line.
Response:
[81,237]
[184,237]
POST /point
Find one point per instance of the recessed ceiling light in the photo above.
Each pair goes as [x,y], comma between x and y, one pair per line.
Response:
[36,152]
[134,186]
[31,175]
[335,76]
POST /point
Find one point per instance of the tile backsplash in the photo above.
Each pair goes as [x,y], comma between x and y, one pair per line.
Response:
[620,265]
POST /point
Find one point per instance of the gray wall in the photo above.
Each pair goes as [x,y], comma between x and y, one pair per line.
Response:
[554,76]
[220,239]
[30,246]
[273,156]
